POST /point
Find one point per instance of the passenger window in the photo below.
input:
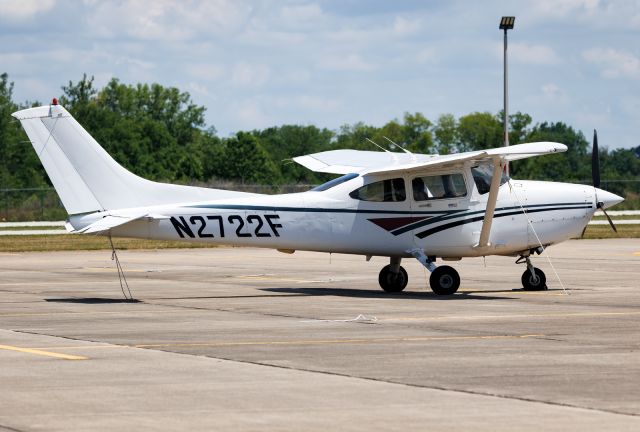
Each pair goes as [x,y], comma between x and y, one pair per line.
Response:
[391,190]
[438,187]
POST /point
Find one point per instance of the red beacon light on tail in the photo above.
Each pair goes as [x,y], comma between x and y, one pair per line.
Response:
[54,101]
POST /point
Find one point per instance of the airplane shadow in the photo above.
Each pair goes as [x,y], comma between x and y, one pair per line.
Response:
[92,300]
[349,292]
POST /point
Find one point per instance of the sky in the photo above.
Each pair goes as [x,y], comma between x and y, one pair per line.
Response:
[255,64]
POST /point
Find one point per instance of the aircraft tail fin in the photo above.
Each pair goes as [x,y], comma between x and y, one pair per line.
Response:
[86,178]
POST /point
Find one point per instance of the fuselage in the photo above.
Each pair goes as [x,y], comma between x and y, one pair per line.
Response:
[388,217]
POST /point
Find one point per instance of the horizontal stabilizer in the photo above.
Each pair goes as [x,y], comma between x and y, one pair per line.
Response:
[114,220]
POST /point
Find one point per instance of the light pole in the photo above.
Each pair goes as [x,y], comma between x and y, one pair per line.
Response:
[506,23]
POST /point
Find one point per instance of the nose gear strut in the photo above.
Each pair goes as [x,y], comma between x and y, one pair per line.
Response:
[444,280]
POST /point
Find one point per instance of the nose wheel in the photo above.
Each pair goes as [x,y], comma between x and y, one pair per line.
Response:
[444,280]
[533,279]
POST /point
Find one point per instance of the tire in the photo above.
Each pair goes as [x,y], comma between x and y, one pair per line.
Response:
[393,282]
[444,280]
[529,283]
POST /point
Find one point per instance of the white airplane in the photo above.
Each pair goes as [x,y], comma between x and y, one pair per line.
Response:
[396,205]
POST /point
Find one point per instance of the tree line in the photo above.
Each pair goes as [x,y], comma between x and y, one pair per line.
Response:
[160,133]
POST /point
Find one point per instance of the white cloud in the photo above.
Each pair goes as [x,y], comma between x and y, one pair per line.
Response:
[246,74]
[12,10]
[205,71]
[351,62]
[293,77]
[167,20]
[615,63]
[199,89]
[562,8]
[250,115]
[553,92]
[406,26]
[532,54]
[630,105]
[309,102]
[301,13]
[427,55]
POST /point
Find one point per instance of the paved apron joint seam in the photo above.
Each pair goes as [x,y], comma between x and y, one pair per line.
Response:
[364,378]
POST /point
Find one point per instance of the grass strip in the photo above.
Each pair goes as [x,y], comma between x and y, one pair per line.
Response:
[605,231]
[42,243]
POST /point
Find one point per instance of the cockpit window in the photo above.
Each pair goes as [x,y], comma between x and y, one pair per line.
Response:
[482,176]
[439,187]
[391,190]
[334,182]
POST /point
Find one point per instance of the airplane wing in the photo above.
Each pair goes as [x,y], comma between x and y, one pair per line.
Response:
[371,162]
[350,161]
[113,221]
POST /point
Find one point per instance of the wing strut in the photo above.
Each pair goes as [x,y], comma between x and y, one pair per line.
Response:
[498,166]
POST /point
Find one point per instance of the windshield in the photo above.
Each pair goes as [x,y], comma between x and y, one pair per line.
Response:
[482,176]
[334,182]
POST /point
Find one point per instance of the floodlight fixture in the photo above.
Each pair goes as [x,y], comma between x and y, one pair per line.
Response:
[507,22]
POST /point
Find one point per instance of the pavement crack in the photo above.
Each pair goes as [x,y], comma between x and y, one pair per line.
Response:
[9,428]
[75,339]
[439,388]
[238,311]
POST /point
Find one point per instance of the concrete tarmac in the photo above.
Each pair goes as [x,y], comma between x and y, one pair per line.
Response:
[248,340]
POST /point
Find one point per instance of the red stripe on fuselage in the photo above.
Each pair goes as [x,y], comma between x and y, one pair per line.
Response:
[391,224]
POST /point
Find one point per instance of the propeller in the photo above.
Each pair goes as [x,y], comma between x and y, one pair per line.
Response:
[595,174]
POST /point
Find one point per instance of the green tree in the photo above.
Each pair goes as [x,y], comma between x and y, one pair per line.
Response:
[446,133]
[479,131]
[518,127]
[284,142]
[417,133]
[155,131]
[247,161]
[19,164]
[561,167]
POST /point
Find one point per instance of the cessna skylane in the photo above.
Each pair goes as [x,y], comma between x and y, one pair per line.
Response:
[390,204]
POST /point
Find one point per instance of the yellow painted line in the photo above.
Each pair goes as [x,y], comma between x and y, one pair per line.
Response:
[636,253]
[82,347]
[272,279]
[335,341]
[27,314]
[53,283]
[544,315]
[43,353]
[545,292]
[112,269]
[296,342]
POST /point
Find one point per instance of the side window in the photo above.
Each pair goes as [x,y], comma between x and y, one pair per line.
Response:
[391,190]
[438,187]
[482,176]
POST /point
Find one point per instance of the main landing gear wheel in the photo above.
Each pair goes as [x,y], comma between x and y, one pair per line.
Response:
[393,282]
[534,282]
[444,280]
